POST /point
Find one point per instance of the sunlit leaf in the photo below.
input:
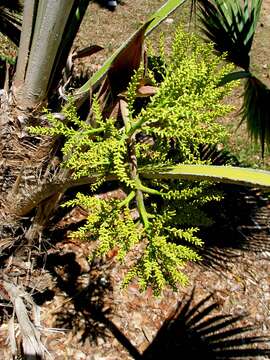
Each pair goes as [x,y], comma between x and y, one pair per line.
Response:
[224,174]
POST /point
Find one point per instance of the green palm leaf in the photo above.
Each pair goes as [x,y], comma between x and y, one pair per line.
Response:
[255,111]
[230,27]
[224,174]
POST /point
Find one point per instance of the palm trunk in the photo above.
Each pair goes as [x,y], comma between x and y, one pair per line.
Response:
[42,45]
[29,13]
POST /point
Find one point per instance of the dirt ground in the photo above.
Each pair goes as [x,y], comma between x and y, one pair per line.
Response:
[85,315]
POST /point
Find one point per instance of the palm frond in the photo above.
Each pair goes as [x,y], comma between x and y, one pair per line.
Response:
[72,27]
[230,27]
[255,110]
[235,75]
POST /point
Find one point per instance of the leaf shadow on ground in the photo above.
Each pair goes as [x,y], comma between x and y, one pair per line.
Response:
[199,331]
[241,223]
[87,308]
[196,329]
[83,308]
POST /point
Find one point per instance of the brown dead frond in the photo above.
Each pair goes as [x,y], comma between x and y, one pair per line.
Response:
[32,346]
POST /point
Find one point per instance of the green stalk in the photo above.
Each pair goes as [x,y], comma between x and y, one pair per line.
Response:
[146,189]
[142,209]
[94,131]
[135,176]
[137,125]
[127,200]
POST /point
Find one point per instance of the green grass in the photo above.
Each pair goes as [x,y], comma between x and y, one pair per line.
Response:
[247,152]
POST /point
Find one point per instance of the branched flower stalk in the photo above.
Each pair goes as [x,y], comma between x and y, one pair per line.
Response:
[134,175]
[160,217]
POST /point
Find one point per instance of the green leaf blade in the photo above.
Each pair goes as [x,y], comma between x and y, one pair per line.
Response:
[224,174]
